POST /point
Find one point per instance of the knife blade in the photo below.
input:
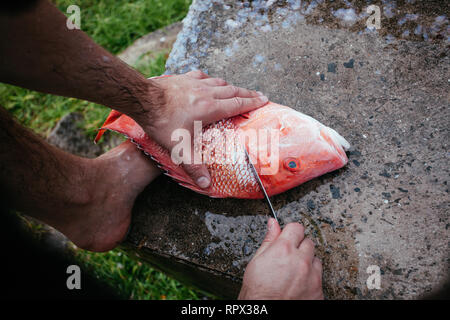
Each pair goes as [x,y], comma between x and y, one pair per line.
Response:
[255,173]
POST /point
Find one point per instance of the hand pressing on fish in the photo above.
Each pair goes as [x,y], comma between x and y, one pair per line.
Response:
[190,97]
[284,267]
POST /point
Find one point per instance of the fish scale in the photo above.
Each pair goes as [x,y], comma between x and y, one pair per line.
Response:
[233,177]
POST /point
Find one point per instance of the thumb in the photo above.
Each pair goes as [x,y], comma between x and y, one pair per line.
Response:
[199,173]
[197,169]
[273,231]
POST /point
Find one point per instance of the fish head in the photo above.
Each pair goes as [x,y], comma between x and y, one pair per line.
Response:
[303,150]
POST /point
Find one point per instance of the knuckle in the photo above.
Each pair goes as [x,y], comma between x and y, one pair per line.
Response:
[234,90]
[318,261]
[219,82]
[304,266]
[231,107]
[199,89]
[317,281]
[238,102]
[195,73]
[217,107]
[296,227]
[310,243]
[248,93]
[192,169]
[308,246]
[318,265]
[285,247]
[204,103]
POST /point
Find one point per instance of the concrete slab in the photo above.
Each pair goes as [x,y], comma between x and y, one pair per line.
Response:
[385,91]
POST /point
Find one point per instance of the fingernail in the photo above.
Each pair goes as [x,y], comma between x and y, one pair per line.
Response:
[260,93]
[264,98]
[270,223]
[203,182]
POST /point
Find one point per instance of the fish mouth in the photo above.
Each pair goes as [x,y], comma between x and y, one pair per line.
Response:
[339,143]
[338,139]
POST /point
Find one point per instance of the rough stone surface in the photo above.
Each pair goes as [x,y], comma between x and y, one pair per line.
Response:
[385,91]
[147,47]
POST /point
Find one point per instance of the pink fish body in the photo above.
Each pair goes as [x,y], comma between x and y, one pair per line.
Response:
[305,149]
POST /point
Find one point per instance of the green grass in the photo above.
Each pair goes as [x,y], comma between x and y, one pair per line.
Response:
[133,279]
[114,24]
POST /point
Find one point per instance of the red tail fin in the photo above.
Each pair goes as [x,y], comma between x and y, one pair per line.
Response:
[113,116]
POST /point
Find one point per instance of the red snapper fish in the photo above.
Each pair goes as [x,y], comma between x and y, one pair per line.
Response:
[305,149]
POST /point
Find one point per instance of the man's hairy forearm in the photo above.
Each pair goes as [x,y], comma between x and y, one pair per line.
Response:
[39,52]
[34,175]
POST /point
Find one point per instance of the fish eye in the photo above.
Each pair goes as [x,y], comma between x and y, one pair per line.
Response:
[292,164]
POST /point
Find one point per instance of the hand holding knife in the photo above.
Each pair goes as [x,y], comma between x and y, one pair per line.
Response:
[255,173]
